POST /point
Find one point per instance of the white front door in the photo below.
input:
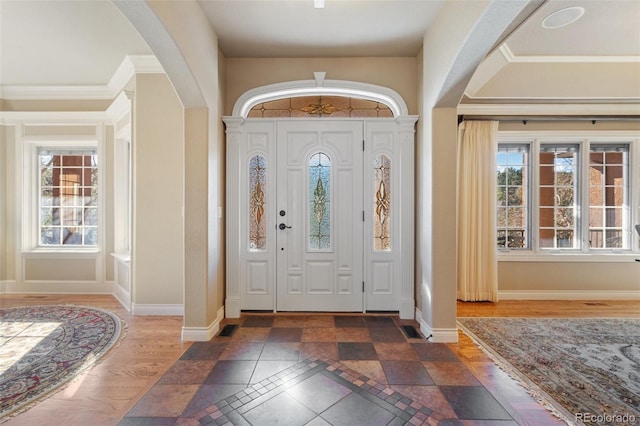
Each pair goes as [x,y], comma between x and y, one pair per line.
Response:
[319,220]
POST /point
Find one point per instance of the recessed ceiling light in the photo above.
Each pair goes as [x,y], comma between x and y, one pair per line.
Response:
[562,17]
[318,4]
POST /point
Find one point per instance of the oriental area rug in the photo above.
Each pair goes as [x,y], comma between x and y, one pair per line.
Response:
[43,348]
[587,371]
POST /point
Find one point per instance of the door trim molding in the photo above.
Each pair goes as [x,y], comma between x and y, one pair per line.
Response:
[237,134]
[320,86]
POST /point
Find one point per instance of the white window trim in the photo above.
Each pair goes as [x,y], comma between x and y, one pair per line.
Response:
[321,87]
[29,183]
[584,254]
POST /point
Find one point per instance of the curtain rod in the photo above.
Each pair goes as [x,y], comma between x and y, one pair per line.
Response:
[525,119]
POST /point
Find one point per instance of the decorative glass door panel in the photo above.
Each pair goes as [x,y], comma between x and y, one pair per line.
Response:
[320,202]
[320,227]
[257,203]
[382,203]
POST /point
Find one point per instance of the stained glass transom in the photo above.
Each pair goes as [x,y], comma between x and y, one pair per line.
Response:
[257,202]
[382,203]
[319,202]
[320,106]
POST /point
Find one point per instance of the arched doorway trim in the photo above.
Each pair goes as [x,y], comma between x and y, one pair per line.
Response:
[323,87]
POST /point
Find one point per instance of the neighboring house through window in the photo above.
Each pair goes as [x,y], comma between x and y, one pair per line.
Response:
[566,196]
[68,197]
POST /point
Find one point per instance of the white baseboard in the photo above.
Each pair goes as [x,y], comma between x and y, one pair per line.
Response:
[153,309]
[438,335]
[203,334]
[123,296]
[568,295]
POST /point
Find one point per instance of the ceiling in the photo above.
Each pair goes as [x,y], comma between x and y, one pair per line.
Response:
[267,28]
[71,43]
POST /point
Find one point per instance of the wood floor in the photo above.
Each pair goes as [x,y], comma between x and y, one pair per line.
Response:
[106,393]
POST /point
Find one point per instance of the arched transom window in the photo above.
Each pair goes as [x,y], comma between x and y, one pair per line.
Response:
[320,106]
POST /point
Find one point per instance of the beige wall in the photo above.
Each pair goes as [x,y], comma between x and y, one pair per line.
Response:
[61,268]
[221,153]
[6,137]
[158,173]
[399,74]
[436,172]
[580,277]
[108,177]
[200,90]
[571,80]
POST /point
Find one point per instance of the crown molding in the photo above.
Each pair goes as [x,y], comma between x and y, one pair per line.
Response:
[29,93]
[53,117]
[130,66]
[549,109]
[121,105]
[510,57]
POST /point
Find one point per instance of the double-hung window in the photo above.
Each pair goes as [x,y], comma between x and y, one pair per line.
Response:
[609,196]
[513,196]
[67,198]
[558,196]
[569,196]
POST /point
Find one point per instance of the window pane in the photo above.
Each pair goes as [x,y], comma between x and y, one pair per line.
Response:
[512,196]
[50,236]
[46,177]
[614,239]
[319,202]
[608,183]
[49,217]
[547,218]
[517,218]
[90,236]
[547,238]
[91,217]
[516,239]
[382,203]
[564,239]
[558,190]
[596,217]
[257,203]
[71,237]
[68,179]
[547,175]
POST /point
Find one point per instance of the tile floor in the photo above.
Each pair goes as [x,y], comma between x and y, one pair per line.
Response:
[319,370]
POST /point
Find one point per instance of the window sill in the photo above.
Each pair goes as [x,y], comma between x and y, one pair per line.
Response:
[122,257]
[568,257]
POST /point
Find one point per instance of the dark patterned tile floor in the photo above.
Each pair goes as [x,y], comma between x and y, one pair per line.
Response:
[319,370]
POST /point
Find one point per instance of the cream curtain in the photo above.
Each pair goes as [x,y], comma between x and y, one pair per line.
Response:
[477,258]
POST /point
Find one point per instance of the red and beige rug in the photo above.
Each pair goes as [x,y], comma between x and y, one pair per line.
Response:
[42,348]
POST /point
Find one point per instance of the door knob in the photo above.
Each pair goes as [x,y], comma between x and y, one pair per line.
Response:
[282,226]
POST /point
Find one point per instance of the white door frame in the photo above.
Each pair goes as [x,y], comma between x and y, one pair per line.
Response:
[258,136]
